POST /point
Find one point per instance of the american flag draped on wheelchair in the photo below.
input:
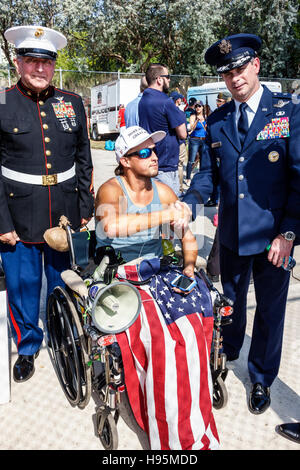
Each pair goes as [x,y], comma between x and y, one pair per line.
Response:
[159,357]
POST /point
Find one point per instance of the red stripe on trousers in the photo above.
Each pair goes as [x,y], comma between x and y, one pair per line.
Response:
[15,324]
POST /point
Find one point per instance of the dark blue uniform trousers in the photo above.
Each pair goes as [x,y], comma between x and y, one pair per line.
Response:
[23,267]
[271,289]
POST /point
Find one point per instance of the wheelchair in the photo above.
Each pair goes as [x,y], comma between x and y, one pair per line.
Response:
[85,359]
[86,356]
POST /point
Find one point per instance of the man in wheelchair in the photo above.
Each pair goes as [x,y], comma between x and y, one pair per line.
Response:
[166,350]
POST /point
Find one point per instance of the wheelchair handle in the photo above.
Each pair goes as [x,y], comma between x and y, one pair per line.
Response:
[221,299]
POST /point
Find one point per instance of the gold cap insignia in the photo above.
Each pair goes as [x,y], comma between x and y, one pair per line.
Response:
[225,46]
[39,32]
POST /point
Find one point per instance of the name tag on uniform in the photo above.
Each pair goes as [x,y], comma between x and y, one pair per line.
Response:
[216,145]
[279,128]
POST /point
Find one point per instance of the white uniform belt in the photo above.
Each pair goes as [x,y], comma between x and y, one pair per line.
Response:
[43,180]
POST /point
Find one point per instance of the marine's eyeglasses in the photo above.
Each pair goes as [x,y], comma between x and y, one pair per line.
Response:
[144,153]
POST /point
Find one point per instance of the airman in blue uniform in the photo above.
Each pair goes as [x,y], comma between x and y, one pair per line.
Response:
[252,150]
[46,172]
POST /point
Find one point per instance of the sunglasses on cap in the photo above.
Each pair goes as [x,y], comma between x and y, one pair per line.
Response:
[144,153]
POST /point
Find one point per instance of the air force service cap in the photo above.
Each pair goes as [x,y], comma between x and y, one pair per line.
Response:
[36,41]
[233,51]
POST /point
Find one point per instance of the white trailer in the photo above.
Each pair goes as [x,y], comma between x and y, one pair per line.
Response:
[208,92]
[105,104]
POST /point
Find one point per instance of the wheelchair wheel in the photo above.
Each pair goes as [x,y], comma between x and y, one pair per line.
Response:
[107,430]
[220,395]
[68,348]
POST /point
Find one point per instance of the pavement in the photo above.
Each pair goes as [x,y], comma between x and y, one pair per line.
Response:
[38,416]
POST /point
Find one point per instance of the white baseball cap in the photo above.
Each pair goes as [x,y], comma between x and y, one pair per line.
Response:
[133,136]
[36,41]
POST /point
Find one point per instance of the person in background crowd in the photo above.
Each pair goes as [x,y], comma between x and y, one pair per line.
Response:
[46,172]
[132,108]
[197,135]
[121,117]
[255,137]
[177,98]
[190,110]
[222,98]
[158,112]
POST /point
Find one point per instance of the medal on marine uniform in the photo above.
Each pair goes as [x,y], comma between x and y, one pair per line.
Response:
[64,111]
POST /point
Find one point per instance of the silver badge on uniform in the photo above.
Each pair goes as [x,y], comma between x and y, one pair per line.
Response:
[280,104]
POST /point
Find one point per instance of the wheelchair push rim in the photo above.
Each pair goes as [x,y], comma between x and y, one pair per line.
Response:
[68,348]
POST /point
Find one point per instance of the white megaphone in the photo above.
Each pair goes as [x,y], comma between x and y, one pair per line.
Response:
[115,306]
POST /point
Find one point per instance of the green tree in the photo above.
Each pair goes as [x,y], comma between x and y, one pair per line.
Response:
[274,21]
[127,35]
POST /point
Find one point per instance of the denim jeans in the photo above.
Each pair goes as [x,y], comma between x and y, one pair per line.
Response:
[195,146]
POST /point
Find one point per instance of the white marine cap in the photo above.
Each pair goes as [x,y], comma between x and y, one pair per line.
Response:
[133,136]
[36,41]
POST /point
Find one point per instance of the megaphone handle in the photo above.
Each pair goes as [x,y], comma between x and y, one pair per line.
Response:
[111,302]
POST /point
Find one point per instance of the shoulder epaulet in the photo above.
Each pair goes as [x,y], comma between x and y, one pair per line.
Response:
[281,95]
[65,92]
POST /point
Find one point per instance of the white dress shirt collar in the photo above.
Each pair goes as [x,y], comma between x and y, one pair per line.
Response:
[252,103]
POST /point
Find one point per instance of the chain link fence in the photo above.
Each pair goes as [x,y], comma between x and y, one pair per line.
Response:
[81,82]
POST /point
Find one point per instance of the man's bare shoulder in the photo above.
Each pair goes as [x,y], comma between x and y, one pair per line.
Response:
[109,184]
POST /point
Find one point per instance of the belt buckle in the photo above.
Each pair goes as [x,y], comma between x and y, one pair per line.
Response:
[49,180]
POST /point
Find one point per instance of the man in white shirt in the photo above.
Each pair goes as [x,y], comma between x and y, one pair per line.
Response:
[252,150]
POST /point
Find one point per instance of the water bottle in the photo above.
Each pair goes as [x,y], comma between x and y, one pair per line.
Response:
[291,263]
[98,274]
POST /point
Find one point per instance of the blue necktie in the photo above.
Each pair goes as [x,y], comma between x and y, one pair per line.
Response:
[243,123]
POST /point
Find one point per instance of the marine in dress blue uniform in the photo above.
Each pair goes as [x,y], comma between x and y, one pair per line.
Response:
[258,170]
[46,172]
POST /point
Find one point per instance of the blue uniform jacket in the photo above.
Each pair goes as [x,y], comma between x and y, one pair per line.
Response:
[260,183]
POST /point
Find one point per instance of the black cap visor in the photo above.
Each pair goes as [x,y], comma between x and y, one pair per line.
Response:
[40,53]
